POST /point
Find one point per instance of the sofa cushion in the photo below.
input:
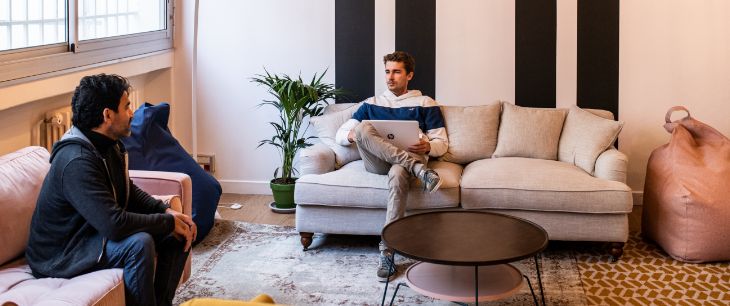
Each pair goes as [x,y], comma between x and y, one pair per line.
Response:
[353,186]
[326,127]
[472,132]
[584,137]
[21,173]
[540,185]
[600,113]
[529,132]
[18,286]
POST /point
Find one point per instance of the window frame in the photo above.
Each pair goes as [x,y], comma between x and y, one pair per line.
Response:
[32,63]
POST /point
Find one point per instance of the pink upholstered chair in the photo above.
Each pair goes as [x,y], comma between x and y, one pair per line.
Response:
[21,176]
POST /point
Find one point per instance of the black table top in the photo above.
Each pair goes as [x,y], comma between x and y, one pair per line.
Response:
[465,237]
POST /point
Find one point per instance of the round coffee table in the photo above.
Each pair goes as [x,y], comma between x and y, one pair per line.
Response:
[452,246]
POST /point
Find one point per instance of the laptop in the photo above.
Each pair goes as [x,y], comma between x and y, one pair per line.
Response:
[401,133]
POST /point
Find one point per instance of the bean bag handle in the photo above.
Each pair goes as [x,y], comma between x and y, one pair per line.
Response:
[669,126]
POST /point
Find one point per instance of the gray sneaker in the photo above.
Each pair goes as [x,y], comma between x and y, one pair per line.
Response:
[430,180]
[384,270]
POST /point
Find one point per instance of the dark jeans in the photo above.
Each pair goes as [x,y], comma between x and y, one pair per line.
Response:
[143,284]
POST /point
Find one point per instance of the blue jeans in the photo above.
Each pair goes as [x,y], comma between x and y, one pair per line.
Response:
[143,284]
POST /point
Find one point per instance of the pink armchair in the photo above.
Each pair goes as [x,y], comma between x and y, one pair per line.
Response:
[21,176]
[168,183]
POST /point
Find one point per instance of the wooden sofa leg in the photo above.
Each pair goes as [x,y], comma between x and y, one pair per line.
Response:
[306,239]
[617,249]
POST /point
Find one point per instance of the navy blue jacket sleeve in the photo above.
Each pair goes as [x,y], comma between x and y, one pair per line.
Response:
[86,188]
[362,113]
[142,202]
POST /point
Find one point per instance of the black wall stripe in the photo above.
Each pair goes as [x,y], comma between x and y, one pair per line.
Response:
[535,43]
[415,33]
[598,39]
[355,48]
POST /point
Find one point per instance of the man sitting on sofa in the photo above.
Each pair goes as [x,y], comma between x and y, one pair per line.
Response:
[382,157]
[90,216]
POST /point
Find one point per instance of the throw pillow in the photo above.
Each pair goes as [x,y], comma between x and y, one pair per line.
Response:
[529,132]
[472,132]
[326,128]
[152,147]
[600,113]
[585,136]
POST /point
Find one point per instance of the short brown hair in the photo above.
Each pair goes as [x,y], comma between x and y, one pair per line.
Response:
[401,57]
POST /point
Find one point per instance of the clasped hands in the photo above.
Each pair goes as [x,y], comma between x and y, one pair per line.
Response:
[185,228]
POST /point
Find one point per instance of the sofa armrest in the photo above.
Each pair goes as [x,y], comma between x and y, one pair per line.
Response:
[166,183]
[612,165]
[317,159]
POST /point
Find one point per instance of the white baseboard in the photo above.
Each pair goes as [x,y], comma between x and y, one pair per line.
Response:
[245,187]
[638,197]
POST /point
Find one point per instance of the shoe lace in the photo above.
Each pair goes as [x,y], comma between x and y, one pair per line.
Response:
[385,257]
[383,261]
[428,177]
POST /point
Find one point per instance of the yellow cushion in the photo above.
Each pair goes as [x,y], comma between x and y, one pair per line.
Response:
[260,300]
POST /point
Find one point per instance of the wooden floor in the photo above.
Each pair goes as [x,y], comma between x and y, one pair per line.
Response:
[255,209]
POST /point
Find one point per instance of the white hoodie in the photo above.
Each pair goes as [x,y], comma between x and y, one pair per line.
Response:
[436,136]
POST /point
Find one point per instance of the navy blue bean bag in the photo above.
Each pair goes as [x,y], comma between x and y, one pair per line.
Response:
[152,147]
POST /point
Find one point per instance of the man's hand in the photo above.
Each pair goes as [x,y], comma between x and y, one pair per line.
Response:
[351,136]
[422,147]
[185,228]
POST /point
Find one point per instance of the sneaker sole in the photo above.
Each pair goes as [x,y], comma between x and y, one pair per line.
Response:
[385,279]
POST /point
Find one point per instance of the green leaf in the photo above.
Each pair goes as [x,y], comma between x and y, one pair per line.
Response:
[295,101]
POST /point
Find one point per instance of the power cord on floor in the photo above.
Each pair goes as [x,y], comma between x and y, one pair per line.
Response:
[232,206]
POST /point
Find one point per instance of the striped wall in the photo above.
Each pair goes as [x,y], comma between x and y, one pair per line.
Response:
[671,52]
[545,53]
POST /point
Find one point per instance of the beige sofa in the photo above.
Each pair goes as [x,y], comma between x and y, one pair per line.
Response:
[559,171]
[21,176]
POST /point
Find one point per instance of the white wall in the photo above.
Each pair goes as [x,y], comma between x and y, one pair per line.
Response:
[237,39]
[181,80]
[475,52]
[16,122]
[671,52]
[24,104]
[384,38]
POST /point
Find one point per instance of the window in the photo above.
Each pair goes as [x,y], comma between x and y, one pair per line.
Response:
[105,18]
[43,37]
[27,23]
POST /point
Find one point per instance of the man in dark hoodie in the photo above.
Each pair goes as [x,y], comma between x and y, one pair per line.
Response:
[90,216]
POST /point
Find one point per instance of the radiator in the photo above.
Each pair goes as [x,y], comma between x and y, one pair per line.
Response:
[50,129]
[56,122]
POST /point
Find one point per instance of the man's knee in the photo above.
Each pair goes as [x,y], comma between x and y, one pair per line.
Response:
[141,244]
[362,129]
[171,243]
[398,175]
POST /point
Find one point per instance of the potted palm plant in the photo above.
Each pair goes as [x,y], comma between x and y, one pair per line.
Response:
[295,100]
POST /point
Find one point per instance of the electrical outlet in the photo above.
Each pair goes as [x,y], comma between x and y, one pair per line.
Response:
[207,162]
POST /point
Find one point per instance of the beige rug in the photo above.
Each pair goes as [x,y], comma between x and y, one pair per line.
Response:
[239,260]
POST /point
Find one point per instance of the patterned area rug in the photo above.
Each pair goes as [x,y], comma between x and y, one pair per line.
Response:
[646,275]
[240,260]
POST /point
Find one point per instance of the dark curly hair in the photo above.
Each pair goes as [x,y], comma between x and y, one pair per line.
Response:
[402,57]
[93,95]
